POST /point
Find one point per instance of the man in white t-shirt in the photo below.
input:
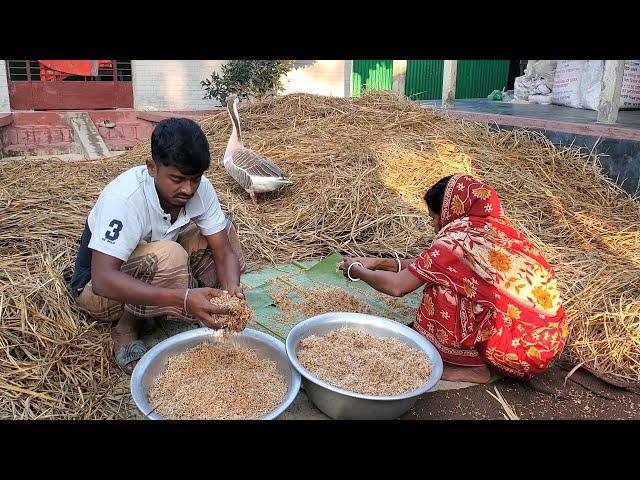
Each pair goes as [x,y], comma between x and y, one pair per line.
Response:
[156,243]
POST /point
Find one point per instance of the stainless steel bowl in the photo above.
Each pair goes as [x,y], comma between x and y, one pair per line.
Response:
[342,404]
[154,362]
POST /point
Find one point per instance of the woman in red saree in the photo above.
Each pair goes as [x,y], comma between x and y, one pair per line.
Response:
[490,298]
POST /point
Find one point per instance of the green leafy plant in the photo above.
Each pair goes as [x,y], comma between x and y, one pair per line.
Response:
[247,78]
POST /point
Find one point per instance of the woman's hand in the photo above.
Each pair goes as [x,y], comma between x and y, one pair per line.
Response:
[370,263]
[347,262]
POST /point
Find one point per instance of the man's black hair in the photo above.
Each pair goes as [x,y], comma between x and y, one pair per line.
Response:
[181,143]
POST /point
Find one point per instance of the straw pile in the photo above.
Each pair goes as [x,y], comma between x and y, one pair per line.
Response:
[360,167]
[218,381]
[361,363]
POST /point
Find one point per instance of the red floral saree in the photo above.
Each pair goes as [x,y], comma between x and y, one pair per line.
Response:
[490,295]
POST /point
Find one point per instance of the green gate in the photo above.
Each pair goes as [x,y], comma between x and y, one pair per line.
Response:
[475,78]
[371,75]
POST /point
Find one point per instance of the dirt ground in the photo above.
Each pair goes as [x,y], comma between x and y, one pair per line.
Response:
[546,397]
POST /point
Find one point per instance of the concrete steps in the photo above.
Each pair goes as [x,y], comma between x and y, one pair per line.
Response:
[86,136]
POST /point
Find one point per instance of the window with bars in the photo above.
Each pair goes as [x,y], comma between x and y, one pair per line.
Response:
[32,70]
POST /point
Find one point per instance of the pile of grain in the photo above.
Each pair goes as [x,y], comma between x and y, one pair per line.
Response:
[324,299]
[218,381]
[316,301]
[361,363]
[405,311]
[241,313]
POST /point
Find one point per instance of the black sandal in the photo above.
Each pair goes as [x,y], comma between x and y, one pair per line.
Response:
[130,353]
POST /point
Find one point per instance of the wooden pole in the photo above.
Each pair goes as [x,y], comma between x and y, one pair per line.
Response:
[610,91]
[449,83]
[399,77]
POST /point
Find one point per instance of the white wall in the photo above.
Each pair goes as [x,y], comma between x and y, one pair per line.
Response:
[172,84]
[4,89]
[322,77]
[175,84]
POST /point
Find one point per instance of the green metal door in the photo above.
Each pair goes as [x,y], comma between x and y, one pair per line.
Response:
[475,78]
[424,79]
[478,78]
[371,75]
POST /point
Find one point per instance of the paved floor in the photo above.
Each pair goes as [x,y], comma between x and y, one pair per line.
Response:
[545,117]
[626,118]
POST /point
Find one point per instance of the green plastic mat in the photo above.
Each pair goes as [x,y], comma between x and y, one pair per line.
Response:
[309,275]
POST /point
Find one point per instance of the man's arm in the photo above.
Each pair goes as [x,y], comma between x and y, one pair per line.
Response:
[212,225]
[108,281]
[227,264]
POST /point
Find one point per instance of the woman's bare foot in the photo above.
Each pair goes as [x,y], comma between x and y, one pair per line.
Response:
[456,373]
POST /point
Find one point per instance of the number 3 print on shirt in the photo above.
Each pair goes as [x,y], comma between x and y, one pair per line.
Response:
[115,232]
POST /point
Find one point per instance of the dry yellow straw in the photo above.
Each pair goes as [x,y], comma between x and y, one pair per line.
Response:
[509,412]
[361,167]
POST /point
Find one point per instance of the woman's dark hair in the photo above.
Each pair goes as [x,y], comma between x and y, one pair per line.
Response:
[181,143]
[435,195]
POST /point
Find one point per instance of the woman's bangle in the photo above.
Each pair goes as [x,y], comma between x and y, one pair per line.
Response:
[349,270]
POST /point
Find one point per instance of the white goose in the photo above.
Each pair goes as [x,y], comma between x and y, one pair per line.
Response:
[252,170]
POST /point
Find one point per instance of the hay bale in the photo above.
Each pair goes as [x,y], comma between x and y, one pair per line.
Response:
[360,168]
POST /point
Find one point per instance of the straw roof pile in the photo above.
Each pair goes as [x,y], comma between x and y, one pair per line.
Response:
[360,168]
